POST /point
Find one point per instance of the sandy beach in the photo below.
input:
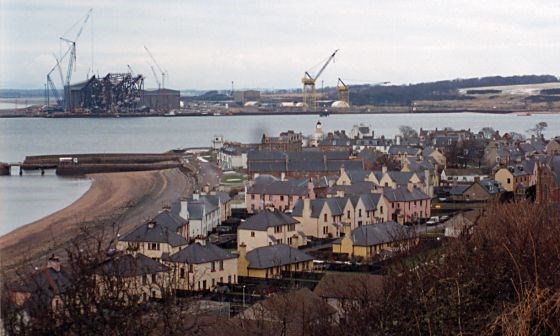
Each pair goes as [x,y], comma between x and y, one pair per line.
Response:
[125,199]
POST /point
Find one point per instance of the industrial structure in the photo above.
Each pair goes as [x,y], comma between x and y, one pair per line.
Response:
[113,94]
[343,93]
[309,93]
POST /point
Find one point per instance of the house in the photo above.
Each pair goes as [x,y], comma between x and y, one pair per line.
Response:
[269,227]
[404,205]
[553,147]
[231,157]
[45,287]
[141,277]
[279,194]
[321,217]
[287,141]
[367,241]
[220,199]
[202,266]
[515,178]
[348,291]
[548,181]
[462,221]
[154,238]
[480,191]
[465,175]
[270,261]
[298,312]
[203,213]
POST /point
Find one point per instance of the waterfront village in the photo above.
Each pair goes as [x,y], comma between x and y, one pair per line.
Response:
[295,223]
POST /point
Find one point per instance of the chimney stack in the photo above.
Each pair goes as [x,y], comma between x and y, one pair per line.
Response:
[384,169]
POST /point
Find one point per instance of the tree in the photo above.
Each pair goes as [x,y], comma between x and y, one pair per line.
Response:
[408,132]
[538,129]
[515,136]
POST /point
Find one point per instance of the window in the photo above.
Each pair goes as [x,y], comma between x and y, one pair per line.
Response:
[508,180]
[270,197]
[281,197]
[381,209]
[153,278]
[182,273]
[360,212]
[348,214]
[221,266]
[252,196]
[222,279]
[290,241]
[252,233]
[325,230]
[213,266]
[326,218]
[204,284]
[359,223]
[229,279]
[414,203]
[278,241]
[153,246]
[144,279]
[213,282]
[191,269]
[291,227]
[252,207]
[277,229]
[367,214]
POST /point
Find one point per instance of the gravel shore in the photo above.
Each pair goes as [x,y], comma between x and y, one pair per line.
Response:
[126,199]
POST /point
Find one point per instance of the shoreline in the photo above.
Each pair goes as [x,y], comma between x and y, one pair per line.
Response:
[114,199]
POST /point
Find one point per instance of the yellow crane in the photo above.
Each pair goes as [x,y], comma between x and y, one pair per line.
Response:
[309,94]
[344,92]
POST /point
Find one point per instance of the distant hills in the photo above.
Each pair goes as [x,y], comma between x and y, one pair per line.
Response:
[369,94]
[440,90]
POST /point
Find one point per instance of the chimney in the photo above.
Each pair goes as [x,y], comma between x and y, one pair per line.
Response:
[283,175]
[398,140]
[184,212]
[325,161]
[196,196]
[347,230]
[295,241]
[206,188]
[151,224]
[384,169]
[410,186]
[310,189]
[306,213]
[242,262]
[54,263]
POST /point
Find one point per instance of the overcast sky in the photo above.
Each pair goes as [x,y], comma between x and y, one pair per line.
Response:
[269,44]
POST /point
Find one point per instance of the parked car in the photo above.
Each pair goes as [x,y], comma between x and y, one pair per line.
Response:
[443,218]
[434,220]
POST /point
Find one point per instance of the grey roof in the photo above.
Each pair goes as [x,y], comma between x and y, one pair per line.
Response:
[197,208]
[370,200]
[400,178]
[404,195]
[266,219]
[217,197]
[357,175]
[316,207]
[355,188]
[518,170]
[459,189]
[491,186]
[265,179]
[170,220]
[303,166]
[278,188]
[396,149]
[200,254]
[375,234]
[151,231]
[48,282]
[295,156]
[275,255]
[128,265]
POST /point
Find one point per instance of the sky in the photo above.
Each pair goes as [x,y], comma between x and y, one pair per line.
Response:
[270,44]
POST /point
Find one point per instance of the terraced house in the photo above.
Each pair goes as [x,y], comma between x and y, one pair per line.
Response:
[321,217]
[271,261]
[404,205]
[270,227]
[202,266]
[279,194]
[154,238]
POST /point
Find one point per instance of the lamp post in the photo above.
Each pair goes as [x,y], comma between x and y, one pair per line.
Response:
[243,296]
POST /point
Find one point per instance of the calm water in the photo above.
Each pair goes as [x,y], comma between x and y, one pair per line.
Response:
[27,198]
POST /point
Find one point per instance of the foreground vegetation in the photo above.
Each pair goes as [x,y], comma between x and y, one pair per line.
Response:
[500,277]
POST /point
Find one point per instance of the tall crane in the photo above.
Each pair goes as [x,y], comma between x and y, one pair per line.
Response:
[50,83]
[72,48]
[163,72]
[155,76]
[309,95]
